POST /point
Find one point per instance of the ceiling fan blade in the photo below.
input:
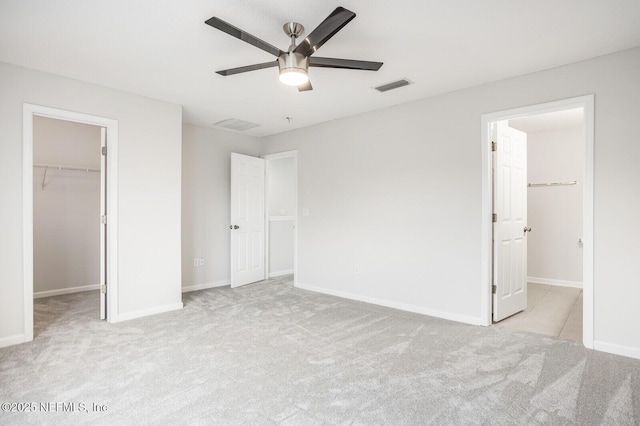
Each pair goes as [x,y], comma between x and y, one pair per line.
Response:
[350,64]
[244,36]
[323,32]
[305,87]
[247,68]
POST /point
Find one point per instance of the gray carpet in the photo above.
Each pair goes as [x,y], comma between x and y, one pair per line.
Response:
[271,354]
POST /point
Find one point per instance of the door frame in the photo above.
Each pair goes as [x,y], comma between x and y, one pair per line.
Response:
[29,111]
[276,156]
[587,103]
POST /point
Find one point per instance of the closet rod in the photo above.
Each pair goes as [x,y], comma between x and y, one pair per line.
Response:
[56,167]
[46,167]
[554,183]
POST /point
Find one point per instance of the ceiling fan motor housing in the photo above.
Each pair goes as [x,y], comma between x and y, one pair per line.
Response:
[293,68]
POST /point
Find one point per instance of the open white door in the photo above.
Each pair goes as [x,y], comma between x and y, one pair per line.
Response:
[510,221]
[247,219]
[103,223]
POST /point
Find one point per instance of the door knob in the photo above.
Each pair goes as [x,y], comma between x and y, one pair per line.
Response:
[237,227]
[527,229]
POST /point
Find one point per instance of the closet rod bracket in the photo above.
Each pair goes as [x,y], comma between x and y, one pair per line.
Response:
[44,177]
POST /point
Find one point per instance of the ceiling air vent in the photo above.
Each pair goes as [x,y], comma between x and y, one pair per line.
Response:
[235,124]
[393,85]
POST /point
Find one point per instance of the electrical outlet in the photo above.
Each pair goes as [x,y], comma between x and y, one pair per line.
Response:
[357,269]
[195,262]
[201,261]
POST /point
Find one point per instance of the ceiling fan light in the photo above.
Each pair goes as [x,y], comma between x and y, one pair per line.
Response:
[293,68]
[294,76]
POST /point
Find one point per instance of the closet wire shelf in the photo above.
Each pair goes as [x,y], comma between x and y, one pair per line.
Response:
[574,182]
[59,167]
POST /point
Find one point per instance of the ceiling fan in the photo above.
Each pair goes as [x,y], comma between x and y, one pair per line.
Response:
[295,62]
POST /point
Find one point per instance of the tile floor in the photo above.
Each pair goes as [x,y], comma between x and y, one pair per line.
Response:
[552,311]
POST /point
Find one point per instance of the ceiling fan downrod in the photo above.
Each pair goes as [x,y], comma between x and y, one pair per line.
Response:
[294,67]
[293,30]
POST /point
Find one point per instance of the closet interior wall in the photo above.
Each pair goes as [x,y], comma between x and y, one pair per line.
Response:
[555,152]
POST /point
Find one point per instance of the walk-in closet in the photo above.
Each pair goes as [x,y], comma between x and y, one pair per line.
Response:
[67,194]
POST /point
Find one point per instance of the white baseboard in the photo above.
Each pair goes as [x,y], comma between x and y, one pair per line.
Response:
[69,290]
[205,286]
[550,281]
[280,273]
[146,312]
[617,349]
[11,340]
[396,305]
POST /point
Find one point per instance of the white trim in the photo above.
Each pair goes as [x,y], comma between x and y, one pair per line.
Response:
[486,224]
[617,349]
[278,155]
[551,281]
[28,111]
[588,259]
[152,311]
[285,154]
[16,339]
[205,286]
[280,273]
[395,305]
[586,102]
[27,220]
[68,290]
[103,226]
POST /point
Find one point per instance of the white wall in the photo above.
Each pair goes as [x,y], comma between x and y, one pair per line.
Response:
[149,164]
[281,186]
[397,192]
[66,212]
[555,213]
[281,202]
[280,247]
[206,177]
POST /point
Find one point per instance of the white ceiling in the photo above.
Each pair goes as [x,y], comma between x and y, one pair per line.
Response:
[163,49]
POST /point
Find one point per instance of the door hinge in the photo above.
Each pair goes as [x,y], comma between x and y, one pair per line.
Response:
[103,288]
[494,146]
[493,289]
[104,150]
[103,219]
[494,217]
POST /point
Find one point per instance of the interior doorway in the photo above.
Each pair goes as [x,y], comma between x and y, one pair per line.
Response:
[552,234]
[548,213]
[281,214]
[52,179]
[69,200]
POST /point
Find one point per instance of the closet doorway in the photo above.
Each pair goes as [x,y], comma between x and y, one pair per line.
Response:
[69,220]
[68,204]
[552,236]
[563,246]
